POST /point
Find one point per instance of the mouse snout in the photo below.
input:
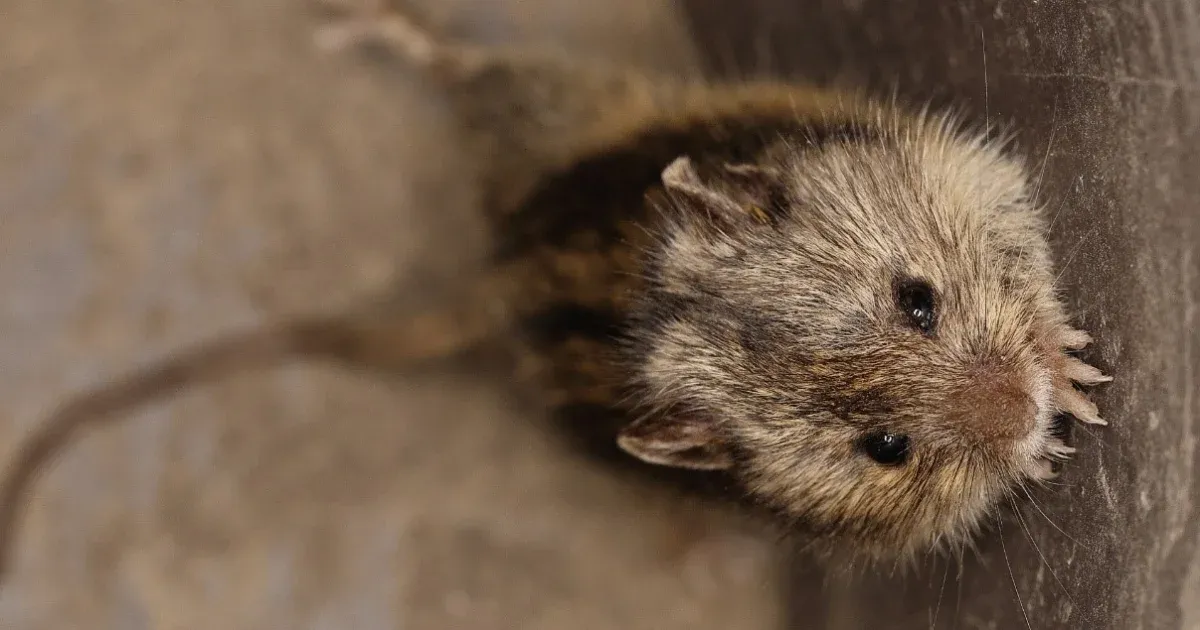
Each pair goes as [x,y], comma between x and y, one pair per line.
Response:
[993,408]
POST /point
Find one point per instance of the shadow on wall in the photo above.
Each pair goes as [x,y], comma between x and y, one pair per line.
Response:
[1104,96]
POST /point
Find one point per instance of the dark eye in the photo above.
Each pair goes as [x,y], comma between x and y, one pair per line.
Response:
[886,448]
[915,300]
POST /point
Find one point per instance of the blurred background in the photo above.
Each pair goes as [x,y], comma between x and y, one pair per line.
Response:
[173,170]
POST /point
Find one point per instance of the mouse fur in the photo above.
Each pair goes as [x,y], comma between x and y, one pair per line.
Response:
[845,304]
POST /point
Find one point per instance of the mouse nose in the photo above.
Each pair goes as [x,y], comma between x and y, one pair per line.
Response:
[993,409]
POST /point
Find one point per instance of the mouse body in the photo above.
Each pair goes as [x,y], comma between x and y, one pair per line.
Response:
[845,304]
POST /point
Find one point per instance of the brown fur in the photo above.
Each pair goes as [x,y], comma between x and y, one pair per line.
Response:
[738,302]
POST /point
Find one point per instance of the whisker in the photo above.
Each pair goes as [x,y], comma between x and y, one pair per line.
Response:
[1075,252]
[987,114]
[1047,517]
[1037,187]
[1021,520]
[962,549]
[941,591]
[1057,213]
[1060,484]
[1011,575]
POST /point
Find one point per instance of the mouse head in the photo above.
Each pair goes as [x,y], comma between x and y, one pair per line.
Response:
[864,330]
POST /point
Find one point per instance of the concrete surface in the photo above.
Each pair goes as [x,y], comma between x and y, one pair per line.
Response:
[169,170]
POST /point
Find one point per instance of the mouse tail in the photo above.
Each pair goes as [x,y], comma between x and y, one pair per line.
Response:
[383,338]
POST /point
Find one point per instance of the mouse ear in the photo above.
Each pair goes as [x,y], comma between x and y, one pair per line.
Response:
[732,194]
[680,441]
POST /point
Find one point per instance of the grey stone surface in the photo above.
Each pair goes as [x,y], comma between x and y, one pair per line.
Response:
[170,170]
[1105,93]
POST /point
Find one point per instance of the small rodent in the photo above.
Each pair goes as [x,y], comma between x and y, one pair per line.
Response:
[847,304]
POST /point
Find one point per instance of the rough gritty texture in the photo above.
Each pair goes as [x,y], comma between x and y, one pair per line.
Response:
[170,170]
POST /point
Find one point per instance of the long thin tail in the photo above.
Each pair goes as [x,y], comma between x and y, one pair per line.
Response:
[376,340]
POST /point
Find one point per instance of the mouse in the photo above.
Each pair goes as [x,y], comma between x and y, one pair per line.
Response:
[845,305]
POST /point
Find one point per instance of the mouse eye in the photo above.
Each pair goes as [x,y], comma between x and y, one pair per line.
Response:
[890,449]
[915,300]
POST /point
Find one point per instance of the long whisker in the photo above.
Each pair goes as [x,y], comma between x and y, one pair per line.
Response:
[1037,187]
[1074,252]
[941,591]
[962,550]
[1021,520]
[1011,575]
[1057,213]
[987,114]
[1037,507]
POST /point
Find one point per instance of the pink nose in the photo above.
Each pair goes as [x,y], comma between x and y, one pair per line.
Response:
[993,409]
